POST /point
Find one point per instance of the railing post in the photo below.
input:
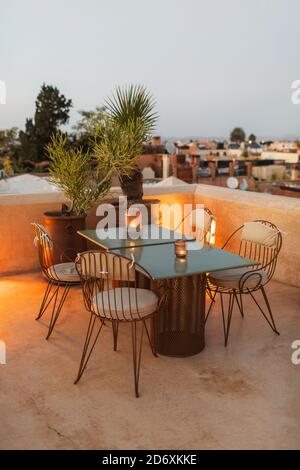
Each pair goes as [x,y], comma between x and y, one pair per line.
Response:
[249,169]
[213,169]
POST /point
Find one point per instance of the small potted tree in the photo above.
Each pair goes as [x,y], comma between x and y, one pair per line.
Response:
[83,185]
[130,122]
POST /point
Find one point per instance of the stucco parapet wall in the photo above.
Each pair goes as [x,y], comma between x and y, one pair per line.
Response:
[214,192]
[155,190]
[248,198]
[31,199]
[58,196]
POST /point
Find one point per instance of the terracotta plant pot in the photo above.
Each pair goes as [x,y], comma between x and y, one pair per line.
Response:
[63,231]
[132,186]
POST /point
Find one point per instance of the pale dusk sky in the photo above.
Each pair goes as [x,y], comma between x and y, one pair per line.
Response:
[212,65]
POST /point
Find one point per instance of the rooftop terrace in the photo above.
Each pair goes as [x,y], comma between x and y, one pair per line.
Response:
[242,397]
[245,396]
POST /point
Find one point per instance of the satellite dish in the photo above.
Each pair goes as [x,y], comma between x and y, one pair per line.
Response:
[244,185]
[170,147]
[232,182]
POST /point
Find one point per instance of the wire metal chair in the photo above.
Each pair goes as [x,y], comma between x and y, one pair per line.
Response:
[110,292]
[60,276]
[259,241]
[200,221]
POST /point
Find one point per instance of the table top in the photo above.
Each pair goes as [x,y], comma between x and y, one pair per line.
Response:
[160,262]
[116,238]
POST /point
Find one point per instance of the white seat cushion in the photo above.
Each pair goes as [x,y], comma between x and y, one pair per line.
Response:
[229,278]
[65,272]
[109,303]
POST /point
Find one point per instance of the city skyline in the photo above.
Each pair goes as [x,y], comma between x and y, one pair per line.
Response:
[211,67]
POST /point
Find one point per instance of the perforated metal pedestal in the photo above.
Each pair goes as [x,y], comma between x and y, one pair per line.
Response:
[181,319]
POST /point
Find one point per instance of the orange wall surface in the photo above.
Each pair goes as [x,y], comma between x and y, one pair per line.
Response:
[230,207]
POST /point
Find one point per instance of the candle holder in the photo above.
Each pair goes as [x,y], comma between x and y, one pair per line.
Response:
[180,249]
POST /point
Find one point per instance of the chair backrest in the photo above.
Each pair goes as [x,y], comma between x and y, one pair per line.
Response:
[44,244]
[260,241]
[200,221]
[101,271]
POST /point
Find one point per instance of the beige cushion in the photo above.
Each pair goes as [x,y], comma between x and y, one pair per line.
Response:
[65,272]
[257,232]
[229,278]
[109,303]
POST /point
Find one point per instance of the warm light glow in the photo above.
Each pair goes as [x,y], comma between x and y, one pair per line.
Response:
[211,236]
[133,223]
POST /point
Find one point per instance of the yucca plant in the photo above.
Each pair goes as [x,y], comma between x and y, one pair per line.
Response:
[72,172]
[131,121]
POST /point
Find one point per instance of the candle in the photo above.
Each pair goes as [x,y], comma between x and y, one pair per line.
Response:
[180,248]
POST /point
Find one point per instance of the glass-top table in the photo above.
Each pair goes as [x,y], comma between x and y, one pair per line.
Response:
[114,238]
[160,262]
[180,326]
[180,329]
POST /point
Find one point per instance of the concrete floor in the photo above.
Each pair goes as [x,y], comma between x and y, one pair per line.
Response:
[243,397]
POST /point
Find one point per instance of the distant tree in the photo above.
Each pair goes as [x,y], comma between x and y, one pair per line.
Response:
[252,138]
[29,148]
[87,128]
[8,141]
[51,111]
[238,135]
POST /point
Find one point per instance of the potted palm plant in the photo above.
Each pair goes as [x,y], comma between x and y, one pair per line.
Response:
[83,185]
[130,122]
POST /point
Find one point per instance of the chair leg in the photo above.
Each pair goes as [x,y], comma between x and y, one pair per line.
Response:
[86,352]
[270,321]
[227,322]
[239,303]
[151,340]
[211,304]
[115,328]
[45,303]
[56,311]
[210,294]
[136,354]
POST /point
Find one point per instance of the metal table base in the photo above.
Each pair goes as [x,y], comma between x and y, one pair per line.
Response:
[181,319]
